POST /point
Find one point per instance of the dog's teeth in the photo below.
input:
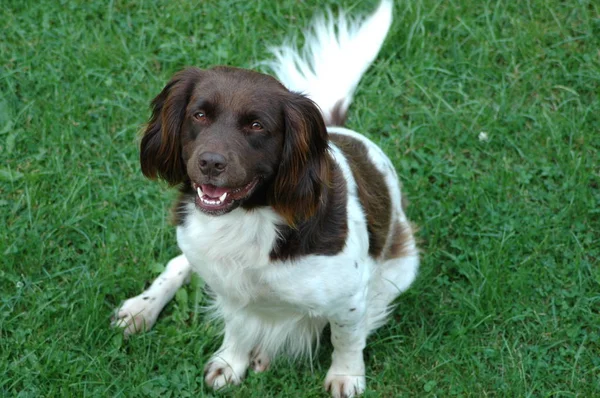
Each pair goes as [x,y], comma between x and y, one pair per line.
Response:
[222,197]
[200,193]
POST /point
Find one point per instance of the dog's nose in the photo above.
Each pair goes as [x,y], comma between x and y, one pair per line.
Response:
[212,164]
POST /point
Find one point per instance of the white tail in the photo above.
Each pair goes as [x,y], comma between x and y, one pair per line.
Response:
[336,54]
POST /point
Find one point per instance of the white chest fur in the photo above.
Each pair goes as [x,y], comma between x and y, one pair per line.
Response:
[221,248]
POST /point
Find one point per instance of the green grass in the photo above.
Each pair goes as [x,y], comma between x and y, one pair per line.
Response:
[508,299]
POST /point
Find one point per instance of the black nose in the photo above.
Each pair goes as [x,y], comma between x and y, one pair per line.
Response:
[212,164]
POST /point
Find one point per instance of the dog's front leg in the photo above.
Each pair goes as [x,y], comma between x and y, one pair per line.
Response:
[229,364]
[139,313]
[346,376]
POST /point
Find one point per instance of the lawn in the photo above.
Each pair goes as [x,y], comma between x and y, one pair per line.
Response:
[490,111]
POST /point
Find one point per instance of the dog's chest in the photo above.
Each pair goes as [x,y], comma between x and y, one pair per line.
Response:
[223,249]
[240,238]
[232,254]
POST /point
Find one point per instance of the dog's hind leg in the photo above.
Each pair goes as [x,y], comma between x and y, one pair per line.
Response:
[392,278]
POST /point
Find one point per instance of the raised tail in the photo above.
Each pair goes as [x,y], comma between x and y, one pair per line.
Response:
[336,54]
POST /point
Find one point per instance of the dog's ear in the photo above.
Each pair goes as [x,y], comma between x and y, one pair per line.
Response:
[304,168]
[160,149]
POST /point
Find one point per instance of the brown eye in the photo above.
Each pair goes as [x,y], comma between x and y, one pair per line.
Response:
[256,126]
[200,116]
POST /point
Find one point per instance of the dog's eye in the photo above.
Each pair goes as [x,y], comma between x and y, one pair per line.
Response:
[256,126]
[200,116]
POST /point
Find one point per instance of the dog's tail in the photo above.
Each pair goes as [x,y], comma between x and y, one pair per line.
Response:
[336,54]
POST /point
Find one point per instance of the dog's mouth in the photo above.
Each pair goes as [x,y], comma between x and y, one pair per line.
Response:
[219,200]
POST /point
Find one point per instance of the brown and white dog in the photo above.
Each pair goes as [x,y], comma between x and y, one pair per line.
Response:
[292,223]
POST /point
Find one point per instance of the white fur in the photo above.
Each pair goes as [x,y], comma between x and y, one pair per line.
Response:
[336,54]
[268,306]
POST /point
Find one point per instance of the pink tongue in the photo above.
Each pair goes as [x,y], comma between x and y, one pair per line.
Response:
[213,192]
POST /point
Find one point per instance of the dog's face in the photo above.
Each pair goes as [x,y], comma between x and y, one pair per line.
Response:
[232,135]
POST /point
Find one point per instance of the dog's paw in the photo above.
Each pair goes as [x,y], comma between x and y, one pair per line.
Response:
[137,314]
[220,372]
[345,386]
[259,361]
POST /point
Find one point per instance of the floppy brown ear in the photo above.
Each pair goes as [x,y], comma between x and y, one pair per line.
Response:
[160,149]
[304,168]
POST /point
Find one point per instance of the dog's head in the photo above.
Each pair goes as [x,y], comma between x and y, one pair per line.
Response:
[233,135]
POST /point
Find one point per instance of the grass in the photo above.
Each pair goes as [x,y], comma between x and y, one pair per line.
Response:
[508,299]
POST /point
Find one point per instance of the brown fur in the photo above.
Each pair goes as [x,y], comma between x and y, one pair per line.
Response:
[325,233]
[338,116]
[401,235]
[160,154]
[305,167]
[373,192]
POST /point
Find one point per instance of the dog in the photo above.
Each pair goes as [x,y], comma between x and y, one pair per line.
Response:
[293,221]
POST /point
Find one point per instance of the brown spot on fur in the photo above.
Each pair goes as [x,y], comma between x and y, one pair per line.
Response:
[324,233]
[373,191]
[401,236]
[338,115]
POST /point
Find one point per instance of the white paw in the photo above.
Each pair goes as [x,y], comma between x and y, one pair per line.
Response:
[137,314]
[344,386]
[259,361]
[220,372]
